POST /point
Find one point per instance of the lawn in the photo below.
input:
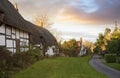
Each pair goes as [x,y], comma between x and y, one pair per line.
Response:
[114,65]
[61,67]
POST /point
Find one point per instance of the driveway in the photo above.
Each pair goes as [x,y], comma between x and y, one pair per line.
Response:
[97,64]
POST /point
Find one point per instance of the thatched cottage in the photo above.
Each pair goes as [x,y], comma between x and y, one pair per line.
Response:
[17,34]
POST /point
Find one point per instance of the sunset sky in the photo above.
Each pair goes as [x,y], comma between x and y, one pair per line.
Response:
[74,18]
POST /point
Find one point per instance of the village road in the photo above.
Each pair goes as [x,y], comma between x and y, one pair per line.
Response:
[97,64]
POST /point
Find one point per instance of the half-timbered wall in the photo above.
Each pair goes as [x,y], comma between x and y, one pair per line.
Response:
[15,40]
[2,35]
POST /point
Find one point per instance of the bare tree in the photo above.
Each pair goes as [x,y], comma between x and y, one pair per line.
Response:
[43,20]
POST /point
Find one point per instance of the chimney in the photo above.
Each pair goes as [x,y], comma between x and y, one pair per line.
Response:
[16,7]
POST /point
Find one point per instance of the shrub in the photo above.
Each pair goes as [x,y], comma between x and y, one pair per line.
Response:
[5,62]
[23,59]
[36,53]
[9,61]
[110,58]
[19,59]
[118,59]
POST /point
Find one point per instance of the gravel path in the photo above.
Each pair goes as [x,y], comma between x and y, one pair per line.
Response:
[96,63]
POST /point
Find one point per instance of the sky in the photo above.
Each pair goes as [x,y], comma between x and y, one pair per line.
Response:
[74,18]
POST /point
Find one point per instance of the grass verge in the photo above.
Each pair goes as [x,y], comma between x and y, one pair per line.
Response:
[114,65]
[61,67]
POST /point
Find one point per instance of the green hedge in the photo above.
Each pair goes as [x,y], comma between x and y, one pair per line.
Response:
[14,62]
[5,62]
[118,60]
[110,58]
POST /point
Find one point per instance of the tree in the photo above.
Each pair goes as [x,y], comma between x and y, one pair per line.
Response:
[116,33]
[97,49]
[100,40]
[114,46]
[43,20]
[70,47]
[107,31]
[88,45]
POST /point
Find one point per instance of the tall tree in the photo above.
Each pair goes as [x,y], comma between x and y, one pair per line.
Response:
[70,47]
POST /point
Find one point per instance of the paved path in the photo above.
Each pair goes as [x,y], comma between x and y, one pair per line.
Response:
[96,63]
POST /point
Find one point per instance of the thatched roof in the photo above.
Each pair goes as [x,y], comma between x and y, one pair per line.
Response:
[13,18]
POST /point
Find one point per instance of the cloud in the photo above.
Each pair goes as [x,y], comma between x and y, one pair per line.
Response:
[66,13]
[79,34]
[82,11]
[105,12]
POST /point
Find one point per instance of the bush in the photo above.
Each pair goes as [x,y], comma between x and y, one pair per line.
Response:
[6,63]
[36,53]
[20,59]
[9,61]
[118,60]
[24,59]
[110,58]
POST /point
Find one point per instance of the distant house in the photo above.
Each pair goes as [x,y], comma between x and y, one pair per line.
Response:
[81,50]
[17,34]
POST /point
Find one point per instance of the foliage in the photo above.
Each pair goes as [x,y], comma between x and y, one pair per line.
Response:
[88,45]
[118,60]
[23,59]
[43,20]
[109,41]
[97,49]
[116,33]
[107,31]
[69,48]
[100,40]
[113,46]
[110,58]
[5,62]
[9,61]
[114,65]
[61,67]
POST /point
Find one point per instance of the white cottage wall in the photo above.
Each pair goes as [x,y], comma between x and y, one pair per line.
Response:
[2,40]
[2,35]
[9,37]
[17,34]
[2,29]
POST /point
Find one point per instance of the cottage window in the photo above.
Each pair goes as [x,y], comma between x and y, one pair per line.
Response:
[17,34]
[9,43]
[21,34]
[13,36]
[8,31]
[2,40]
[27,42]
[27,35]
[21,43]
[13,30]
[14,43]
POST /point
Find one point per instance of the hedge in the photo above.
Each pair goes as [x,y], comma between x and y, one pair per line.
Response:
[110,58]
